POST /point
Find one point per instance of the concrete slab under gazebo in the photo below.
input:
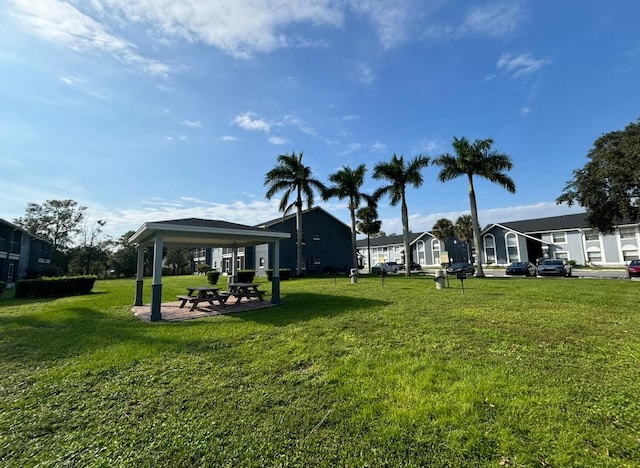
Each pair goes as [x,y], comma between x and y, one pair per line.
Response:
[199,233]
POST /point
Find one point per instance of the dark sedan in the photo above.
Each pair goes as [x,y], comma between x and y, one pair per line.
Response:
[413,266]
[460,267]
[554,266]
[522,268]
[634,268]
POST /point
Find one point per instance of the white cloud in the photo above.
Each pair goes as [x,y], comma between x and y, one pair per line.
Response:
[364,74]
[428,147]
[274,140]
[493,20]
[239,28]
[378,147]
[525,110]
[297,122]
[229,138]
[61,22]
[192,123]
[392,20]
[250,121]
[521,65]
[80,84]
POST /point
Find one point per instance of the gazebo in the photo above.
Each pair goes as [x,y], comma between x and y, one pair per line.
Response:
[194,233]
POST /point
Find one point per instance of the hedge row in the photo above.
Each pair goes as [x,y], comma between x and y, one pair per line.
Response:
[285,274]
[55,287]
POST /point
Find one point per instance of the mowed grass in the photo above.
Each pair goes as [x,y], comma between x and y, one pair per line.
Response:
[514,372]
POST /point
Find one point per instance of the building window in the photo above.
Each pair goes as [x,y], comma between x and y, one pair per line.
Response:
[627,233]
[261,262]
[435,249]
[592,235]
[559,237]
[316,237]
[561,255]
[512,247]
[594,255]
[630,252]
[420,252]
[490,248]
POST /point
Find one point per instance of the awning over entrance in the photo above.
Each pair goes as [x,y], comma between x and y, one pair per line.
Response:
[198,233]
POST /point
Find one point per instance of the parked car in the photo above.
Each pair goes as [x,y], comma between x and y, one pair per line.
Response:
[522,268]
[413,266]
[387,267]
[634,268]
[554,266]
[458,267]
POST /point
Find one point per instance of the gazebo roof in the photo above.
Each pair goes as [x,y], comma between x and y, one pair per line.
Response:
[196,232]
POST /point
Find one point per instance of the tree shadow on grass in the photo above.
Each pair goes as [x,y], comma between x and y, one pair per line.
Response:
[301,307]
[77,331]
[13,301]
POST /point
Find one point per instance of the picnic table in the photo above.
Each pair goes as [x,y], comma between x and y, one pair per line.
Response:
[244,290]
[197,294]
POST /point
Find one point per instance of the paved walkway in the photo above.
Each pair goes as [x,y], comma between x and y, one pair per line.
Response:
[171,311]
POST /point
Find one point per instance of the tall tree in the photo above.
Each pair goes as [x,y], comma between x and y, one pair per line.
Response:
[608,186]
[347,183]
[400,175]
[476,159]
[56,220]
[463,230]
[124,261]
[369,224]
[295,180]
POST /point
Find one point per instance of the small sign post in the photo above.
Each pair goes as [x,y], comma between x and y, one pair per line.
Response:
[461,275]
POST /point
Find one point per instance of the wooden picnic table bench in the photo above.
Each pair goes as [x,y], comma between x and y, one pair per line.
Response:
[244,290]
[204,294]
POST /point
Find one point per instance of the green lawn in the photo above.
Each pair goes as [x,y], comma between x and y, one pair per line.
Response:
[514,372]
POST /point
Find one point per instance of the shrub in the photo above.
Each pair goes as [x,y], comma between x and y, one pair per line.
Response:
[3,285]
[202,268]
[212,276]
[55,287]
[246,276]
[285,274]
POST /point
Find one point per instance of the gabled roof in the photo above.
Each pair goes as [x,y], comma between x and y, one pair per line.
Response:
[196,232]
[24,231]
[281,219]
[552,223]
[392,240]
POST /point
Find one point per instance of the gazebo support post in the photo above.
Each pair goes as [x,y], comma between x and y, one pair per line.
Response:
[234,263]
[139,276]
[275,278]
[156,286]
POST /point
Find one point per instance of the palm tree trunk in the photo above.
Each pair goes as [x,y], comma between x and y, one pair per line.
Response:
[476,228]
[405,236]
[353,236]
[299,235]
[369,252]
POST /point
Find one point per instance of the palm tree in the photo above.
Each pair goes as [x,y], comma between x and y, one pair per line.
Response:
[463,230]
[368,224]
[399,177]
[346,184]
[476,159]
[443,229]
[294,179]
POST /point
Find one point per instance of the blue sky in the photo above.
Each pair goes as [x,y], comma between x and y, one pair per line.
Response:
[154,110]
